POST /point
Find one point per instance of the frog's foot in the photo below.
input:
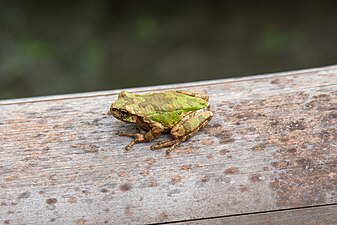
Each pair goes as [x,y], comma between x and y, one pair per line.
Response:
[169,143]
[138,138]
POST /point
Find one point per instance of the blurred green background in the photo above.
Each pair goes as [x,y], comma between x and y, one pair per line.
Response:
[53,47]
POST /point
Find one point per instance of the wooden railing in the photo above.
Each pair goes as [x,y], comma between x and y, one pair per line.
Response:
[268,156]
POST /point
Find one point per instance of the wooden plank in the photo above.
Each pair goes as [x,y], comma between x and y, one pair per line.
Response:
[323,215]
[271,145]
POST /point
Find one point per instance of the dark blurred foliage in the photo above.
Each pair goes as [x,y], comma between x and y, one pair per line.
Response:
[50,47]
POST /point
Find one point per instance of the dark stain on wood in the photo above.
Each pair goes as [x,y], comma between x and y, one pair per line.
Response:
[186,167]
[125,187]
[224,136]
[72,200]
[259,147]
[254,178]
[24,195]
[205,179]
[232,170]
[243,188]
[209,156]
[163,216]
[176,179]
[128,212]
[81,221]
[104,190]
[150,161]
[298,125]
[122,173]
[51,201]
[153,183]
[144,173]
[87,148]
[224,151]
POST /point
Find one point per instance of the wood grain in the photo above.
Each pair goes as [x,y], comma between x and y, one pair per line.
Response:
[271,145]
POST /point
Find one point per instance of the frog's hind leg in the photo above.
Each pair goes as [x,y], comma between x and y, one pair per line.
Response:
[156,129]
[194,94]
[185,130]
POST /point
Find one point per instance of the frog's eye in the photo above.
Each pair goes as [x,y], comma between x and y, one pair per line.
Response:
[124,113]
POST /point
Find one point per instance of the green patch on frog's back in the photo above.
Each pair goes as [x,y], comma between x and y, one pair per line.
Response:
[169,107]
[170,101]
[168,119]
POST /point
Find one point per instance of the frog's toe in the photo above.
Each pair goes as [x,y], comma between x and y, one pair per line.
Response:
[129,146]
[163,144]
[168,151]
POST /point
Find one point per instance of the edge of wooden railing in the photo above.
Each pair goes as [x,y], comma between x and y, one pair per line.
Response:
[160,87]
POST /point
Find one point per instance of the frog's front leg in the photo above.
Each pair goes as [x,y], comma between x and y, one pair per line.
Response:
[155,130]
[184,129]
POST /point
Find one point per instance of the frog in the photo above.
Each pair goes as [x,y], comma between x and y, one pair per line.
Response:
[177,112]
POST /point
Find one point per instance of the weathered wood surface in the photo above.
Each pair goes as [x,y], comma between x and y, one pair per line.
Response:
[324,215]
[270,146]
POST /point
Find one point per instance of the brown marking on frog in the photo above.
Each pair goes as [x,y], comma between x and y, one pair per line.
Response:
[232,170]
[125,187]
[175,179]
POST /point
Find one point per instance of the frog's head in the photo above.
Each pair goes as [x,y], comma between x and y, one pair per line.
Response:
[122,107]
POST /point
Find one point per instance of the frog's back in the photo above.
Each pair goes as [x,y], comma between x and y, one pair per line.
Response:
[170,106]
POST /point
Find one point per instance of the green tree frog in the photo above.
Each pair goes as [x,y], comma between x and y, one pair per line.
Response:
[180,113]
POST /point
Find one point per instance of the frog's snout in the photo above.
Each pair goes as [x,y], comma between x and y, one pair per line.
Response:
[109,112]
